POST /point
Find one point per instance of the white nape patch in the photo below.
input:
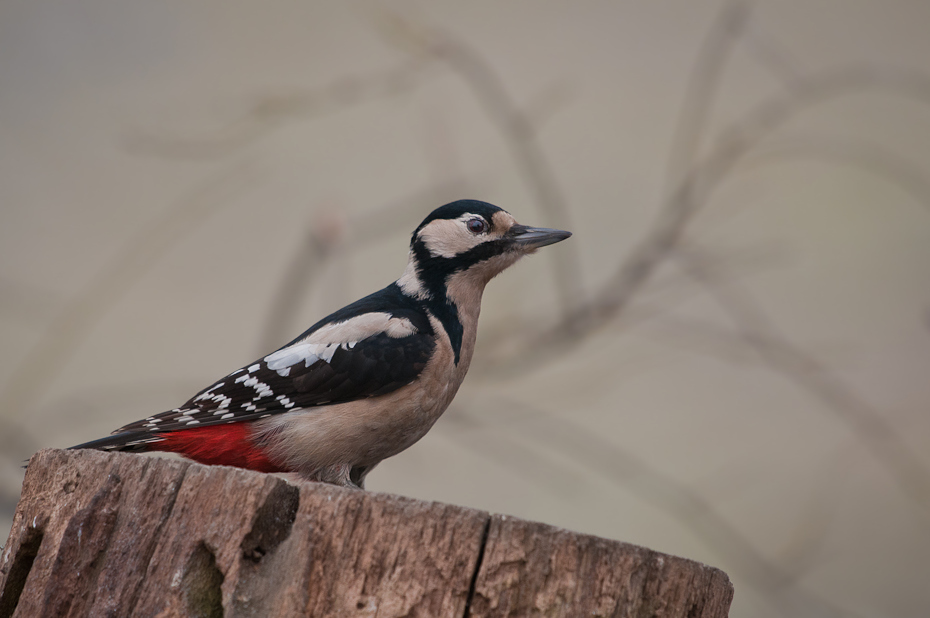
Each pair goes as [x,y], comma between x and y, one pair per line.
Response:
[410,283]
[449,237]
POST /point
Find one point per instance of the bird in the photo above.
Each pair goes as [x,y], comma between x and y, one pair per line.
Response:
[364,383]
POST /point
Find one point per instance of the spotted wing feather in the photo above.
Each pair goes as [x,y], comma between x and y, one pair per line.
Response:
[374,366]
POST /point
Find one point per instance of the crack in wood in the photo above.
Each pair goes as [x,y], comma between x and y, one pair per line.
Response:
[474,578]
[19,571]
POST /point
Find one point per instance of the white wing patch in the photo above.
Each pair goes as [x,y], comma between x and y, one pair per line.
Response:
[214,404]
[307,353]
[361,327]
[323,342]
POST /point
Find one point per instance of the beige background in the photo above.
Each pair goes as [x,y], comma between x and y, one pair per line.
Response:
[168,168]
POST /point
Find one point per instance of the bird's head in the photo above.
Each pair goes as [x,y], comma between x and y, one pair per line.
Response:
[467,243]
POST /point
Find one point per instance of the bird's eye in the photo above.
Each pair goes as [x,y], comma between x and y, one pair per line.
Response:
[477,226]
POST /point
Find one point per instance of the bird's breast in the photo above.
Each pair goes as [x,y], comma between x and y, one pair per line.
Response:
[365,431]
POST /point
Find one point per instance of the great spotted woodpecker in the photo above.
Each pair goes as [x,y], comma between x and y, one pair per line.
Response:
[364,383]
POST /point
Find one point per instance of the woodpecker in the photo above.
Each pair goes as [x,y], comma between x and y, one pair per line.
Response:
[364,383]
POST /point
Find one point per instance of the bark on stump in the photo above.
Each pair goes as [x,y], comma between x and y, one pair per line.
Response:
[111,534]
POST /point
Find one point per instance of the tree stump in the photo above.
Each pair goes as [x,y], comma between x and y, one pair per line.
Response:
[112,534]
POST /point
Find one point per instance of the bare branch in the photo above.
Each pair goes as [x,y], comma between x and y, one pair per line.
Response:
[305,263]
[319,247]
[271,112]
[803,370]
[694,192]
[770,55]
[470,431]
[703,86]
[514,126]
[850,152]
[805,547]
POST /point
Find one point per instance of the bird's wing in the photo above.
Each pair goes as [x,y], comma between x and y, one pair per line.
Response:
[363,356]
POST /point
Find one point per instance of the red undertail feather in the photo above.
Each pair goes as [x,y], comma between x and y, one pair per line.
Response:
[219,445]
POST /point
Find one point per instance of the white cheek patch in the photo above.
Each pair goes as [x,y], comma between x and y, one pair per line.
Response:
[449,237]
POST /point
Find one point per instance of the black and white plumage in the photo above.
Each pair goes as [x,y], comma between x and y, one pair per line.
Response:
[367,381]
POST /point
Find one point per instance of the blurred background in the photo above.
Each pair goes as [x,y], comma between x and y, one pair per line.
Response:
[729,361]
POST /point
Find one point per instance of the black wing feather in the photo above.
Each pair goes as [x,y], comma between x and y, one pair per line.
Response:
[376,365]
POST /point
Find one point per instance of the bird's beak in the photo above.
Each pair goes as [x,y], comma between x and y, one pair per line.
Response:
[530,238]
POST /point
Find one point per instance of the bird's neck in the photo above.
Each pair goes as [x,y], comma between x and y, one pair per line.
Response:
[464,295]
[453,299]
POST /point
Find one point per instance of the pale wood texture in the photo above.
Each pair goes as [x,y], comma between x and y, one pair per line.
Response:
[110,534]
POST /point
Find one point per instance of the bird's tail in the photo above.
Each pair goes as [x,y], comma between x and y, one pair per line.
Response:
[229,444]
[128,441]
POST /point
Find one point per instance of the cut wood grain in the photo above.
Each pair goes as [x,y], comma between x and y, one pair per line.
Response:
[112,534]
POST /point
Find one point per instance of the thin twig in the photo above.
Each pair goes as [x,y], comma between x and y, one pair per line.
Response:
[694,192]
[314,253]
[305,263]
[848,152]
[703,86]
[272,112]
[473,433]
[516,129]
[803,370]
[805,547]
[770,55]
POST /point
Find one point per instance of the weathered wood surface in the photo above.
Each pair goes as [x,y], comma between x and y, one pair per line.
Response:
[110,534]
